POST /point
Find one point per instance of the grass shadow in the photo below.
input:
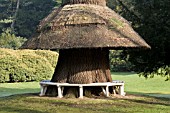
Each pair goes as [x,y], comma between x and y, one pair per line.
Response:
[123,73]
[19,110]
[155,95]
[32,103]
[152,101]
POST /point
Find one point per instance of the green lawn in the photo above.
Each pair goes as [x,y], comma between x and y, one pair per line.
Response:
[7,89]
[134,84]
[32,103]
[35,104]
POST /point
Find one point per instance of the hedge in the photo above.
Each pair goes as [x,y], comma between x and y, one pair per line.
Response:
[26,65]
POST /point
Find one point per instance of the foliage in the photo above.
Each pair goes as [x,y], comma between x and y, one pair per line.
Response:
[119,62]
[163,71]
[9,40]
[151,20]
[5,14]
[28,16]
[4,76]
[26,65]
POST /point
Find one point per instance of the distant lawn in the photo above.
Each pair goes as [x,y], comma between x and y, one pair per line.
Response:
[7,89]
[133,85]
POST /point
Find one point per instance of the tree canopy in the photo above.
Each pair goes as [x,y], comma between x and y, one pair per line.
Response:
[151,20]
[28,14]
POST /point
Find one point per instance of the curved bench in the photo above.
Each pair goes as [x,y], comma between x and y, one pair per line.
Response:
[60,86]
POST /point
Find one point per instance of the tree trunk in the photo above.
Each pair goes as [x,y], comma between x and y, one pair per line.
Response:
[15,15]
[82,66]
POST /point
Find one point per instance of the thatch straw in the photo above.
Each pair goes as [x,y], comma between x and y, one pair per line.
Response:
[96,2]
[85,26]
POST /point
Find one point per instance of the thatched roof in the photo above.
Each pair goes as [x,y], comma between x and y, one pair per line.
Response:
[84,26]
[96,2]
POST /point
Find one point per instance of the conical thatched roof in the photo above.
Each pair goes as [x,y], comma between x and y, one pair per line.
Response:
[96,2]
[84,26]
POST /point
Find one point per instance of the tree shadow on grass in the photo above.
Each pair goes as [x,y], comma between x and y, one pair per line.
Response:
[148,98]
[155,95]
[156,101]
[123,73]
[19,110]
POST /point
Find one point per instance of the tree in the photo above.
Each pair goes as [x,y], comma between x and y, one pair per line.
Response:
[119,62]
[151,20]
[6,13]
[19,19]
[84,34]
[24,15]
[30,14]
[15,15]
[9,40]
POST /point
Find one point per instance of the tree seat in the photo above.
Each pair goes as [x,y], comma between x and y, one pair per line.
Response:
[60,86]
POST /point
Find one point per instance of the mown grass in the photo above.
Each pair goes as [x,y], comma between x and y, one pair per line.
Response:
[134,84]
[7,89]
[34,104]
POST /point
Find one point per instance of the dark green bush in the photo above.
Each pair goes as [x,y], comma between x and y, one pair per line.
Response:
[119,62]
[26,65]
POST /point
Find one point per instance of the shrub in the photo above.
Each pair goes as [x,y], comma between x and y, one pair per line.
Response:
[9,40]
[119,62]
[4,76]
[26,65]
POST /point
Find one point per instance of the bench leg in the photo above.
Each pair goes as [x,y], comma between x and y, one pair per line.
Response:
[121,90]
[62,89]
[103,90]
[81,91]
[114,90]
[107,91]
[43,90]
[60,95]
